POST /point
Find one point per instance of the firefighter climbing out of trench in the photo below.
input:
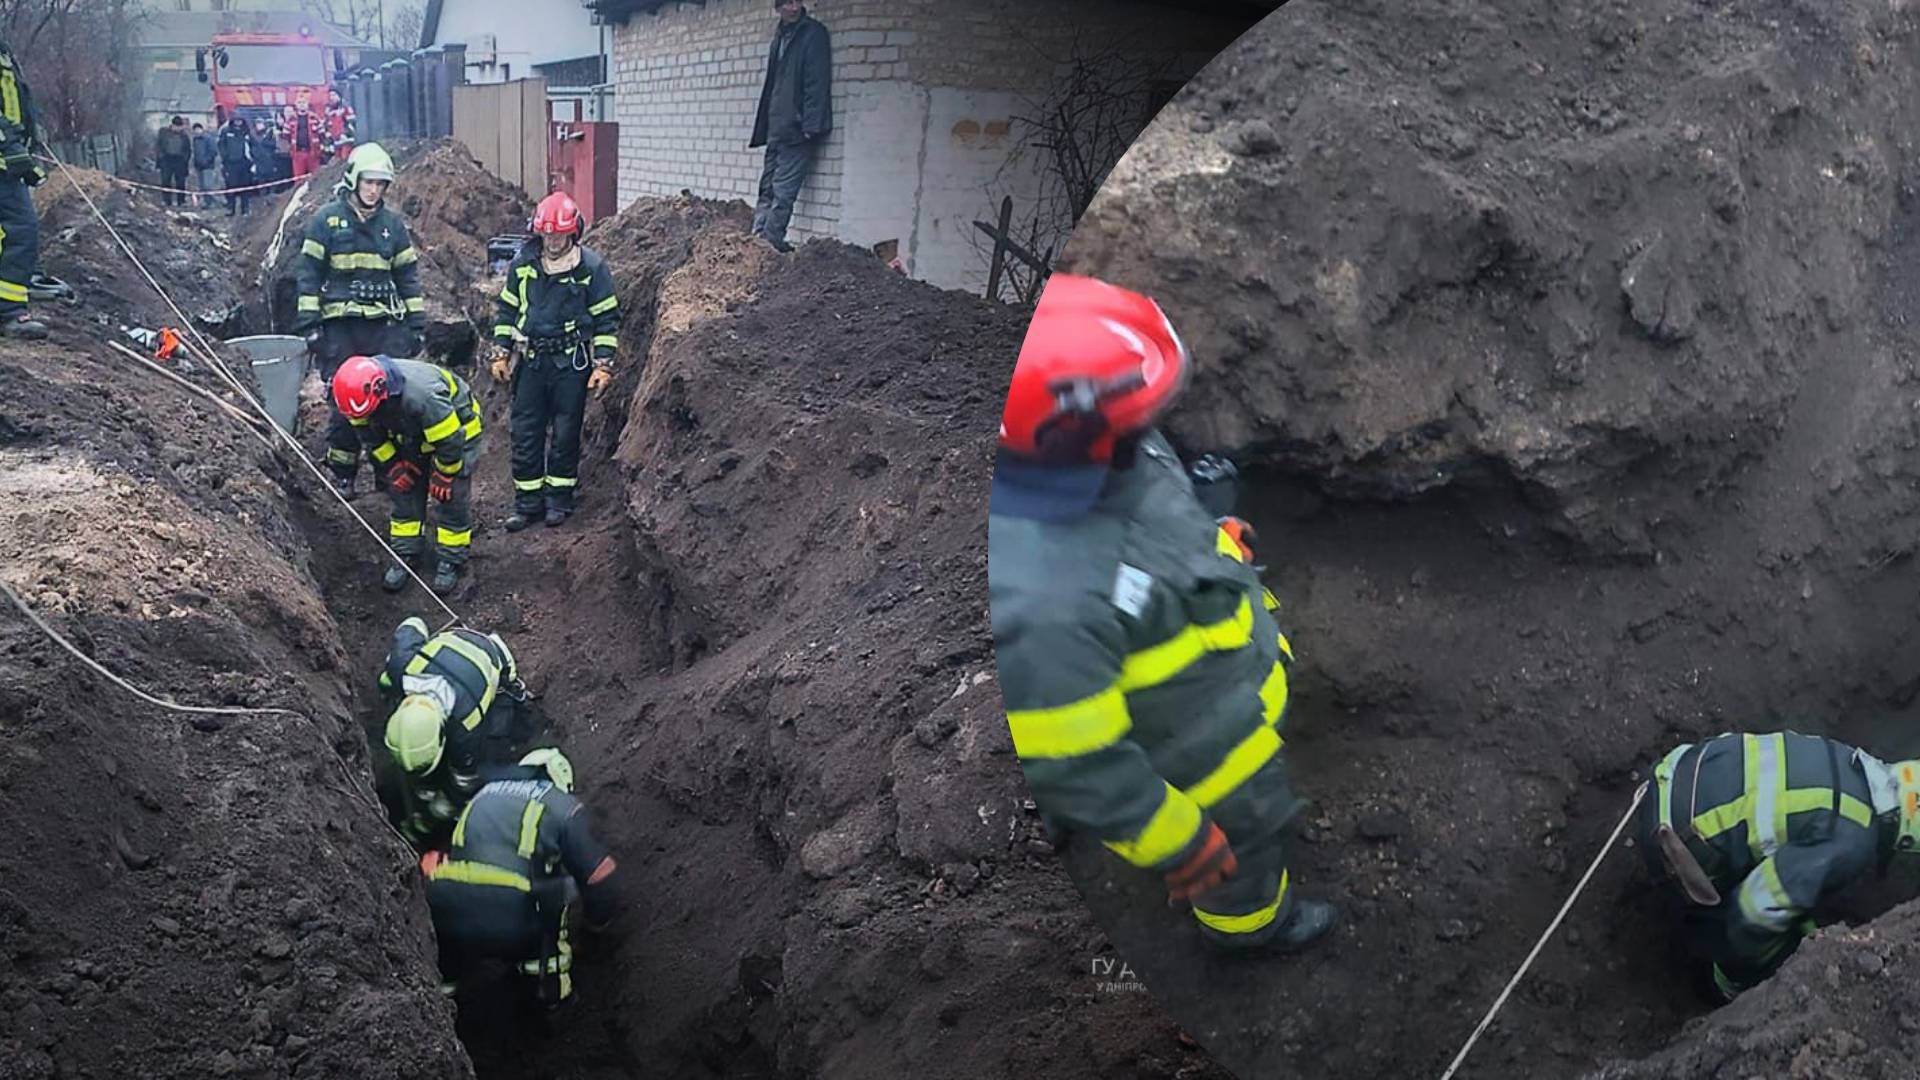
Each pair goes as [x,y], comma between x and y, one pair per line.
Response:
[1144,675]
[19,222]
[521,851]
[456,703]
[1749,833]
[555,336]
[422,424]
[358,276]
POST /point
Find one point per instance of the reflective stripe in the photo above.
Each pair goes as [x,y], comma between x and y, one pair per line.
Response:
[483,670]
[355,308]
[406,257]
[473,873]
[1663,777]
[506,294]
[1273,694]
[1155,665]
[1764,900]
[10,96]
[460,827]
[1801,800]
[1080,727]
[1241,762]
[416,303]
[1225,544]
[358,260]
[604,306]
[16,294]
[526,485]
[1286,646]
[530,827]
[445,427]
[446,537]
[385,451]
[1766,788]
[308,303]
[503,330]
[448,470]
[563,481]
[404,529]
[473,425]
[313,249]
[1167,833]
[342,457]
[1250,922]
[611,341]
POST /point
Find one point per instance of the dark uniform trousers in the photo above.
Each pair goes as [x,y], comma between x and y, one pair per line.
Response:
[549,392]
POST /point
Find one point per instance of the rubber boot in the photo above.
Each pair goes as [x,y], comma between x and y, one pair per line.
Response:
[395,578]
[445,577]
[520,519]
[557,516]
[24,327]
[1310,921]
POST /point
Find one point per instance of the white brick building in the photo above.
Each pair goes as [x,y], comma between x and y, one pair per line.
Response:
[926,100]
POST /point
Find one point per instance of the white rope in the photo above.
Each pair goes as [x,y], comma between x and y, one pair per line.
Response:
[207,354]
[205,710]
[1638,795]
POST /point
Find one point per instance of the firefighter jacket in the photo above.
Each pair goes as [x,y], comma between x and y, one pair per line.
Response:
[301,130]
[18,123]
[1776,822]
[429,411]
[1145,679]
[550,313]
[522,830]
[467,673]
[349,268]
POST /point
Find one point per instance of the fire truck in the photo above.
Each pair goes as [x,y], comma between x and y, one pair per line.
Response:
[256,76]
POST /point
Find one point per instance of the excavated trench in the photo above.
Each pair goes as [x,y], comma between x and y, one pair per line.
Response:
[762,640]
[1571,360]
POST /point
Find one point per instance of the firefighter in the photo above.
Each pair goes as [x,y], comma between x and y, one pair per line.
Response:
[19,222]
[337,132]
[1144,676]
[1749,833]
[423,425]
[455,703]
[503,887]
[359,289]
[559,314]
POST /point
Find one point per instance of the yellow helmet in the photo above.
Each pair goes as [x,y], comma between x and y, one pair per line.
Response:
[1907,775]
[559,769]
[415,734]
[369,161]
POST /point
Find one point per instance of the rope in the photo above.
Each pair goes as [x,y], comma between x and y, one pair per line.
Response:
[1638,795]
[204,710]
[139,186]
[207,354]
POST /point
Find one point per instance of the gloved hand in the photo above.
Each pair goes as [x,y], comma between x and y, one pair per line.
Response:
[313,337]
[598,382]
[440,487]
[1242,535]
[1210,864]
[402,475]
[501,366]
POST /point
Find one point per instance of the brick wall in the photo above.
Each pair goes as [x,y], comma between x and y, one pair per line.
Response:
[925,93]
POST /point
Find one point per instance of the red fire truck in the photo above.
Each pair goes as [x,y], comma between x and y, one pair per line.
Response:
[256,76]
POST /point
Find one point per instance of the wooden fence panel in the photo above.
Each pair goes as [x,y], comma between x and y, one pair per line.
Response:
[504,125]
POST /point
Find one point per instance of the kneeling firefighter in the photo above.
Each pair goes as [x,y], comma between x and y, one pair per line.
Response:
[558,312]
[1749,833]
[422,423]
[456,704]
[1144,676]
[521,850]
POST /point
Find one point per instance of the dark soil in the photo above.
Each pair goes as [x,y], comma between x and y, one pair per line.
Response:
[1570,356]
[762,640]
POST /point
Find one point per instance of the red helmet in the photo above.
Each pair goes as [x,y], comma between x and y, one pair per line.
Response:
[1098,362]
[360,386]
[557,213]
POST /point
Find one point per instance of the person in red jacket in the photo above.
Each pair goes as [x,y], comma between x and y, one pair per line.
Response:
[337,134]
[301,128]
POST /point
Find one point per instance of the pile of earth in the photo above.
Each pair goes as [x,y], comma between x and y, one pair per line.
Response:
[1571,359]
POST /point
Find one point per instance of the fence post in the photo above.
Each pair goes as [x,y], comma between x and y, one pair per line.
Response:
[1000,248]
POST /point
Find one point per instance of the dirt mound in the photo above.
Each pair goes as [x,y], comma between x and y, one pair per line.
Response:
[179,248]
[451,206]
[1572,358]
[212,891]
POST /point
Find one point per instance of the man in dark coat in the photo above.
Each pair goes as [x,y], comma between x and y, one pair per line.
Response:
[206,155]
[173,150]
[796,112]
[236,164]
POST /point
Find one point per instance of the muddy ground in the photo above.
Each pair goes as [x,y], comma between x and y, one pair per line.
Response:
[1570,354]
[763,641]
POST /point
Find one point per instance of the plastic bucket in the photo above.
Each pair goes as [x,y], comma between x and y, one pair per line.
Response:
[279,365]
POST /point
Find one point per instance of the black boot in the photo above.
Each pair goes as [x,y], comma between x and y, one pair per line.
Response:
[557,515]
[1310,921]
[446,577]
[23,326]
[520,519]
[395,578]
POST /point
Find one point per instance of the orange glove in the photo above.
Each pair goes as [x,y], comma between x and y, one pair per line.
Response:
[1210,864]
[440,487]
[1241,534]
[598,381]
[430,863]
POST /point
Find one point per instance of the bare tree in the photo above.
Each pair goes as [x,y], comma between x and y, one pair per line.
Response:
[1099,101]
[406,25]
[87,92]
[361,18]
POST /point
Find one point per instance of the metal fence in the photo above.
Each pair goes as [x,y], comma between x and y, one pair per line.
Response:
[407,97]
[104,152]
